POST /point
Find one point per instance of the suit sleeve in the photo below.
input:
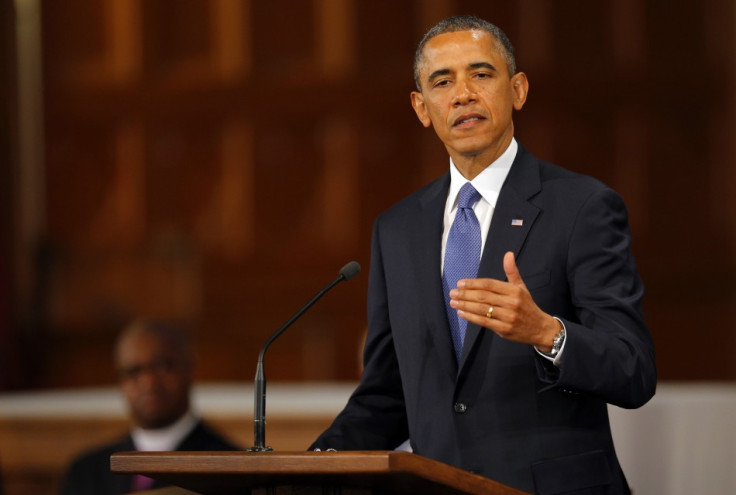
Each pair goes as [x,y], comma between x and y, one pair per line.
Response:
[375,416]
[609,352]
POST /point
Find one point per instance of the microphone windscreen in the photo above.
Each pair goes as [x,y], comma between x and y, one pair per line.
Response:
[350,270]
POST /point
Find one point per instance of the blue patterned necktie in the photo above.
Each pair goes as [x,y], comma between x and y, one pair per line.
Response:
[462,257]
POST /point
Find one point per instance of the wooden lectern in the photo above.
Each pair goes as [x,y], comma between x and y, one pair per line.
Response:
[305,473]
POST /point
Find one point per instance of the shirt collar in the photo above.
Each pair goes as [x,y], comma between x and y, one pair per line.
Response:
[489,182]
[166,438]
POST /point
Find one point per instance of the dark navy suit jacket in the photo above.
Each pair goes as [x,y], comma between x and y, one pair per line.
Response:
[504,411]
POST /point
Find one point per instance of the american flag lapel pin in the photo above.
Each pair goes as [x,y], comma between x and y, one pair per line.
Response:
[517,222]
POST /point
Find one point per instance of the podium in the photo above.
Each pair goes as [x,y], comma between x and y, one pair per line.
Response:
[306,473]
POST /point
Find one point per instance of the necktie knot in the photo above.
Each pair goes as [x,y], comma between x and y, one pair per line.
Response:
[468,196]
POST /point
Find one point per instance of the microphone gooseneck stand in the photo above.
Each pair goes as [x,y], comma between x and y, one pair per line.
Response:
[259,407]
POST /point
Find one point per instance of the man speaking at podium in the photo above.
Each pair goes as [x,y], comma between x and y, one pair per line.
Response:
[504,302]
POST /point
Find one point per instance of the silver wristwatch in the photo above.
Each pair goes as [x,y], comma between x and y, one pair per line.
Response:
[557,343]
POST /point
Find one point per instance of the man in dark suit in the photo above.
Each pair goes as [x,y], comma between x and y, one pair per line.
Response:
[504,371]
[155,365]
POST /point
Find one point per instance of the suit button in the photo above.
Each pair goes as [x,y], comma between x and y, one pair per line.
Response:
[460,407]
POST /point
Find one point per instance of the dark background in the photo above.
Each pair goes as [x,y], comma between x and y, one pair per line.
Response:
[214,163]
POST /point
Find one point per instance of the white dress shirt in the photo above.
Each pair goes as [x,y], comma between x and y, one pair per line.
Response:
[488,183]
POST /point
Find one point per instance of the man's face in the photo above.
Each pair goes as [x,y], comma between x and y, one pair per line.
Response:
[467,94]
[154,378]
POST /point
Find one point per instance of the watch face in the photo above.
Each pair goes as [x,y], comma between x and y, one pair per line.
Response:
[557,343]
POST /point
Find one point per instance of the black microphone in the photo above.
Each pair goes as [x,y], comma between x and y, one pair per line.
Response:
[259,407]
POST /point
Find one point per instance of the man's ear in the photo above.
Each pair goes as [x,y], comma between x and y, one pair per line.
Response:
[520,87]
[417,103]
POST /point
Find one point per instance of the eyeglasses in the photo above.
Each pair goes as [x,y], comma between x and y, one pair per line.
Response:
[157,367]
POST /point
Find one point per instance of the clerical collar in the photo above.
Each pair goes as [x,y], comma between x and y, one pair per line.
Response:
[164,439]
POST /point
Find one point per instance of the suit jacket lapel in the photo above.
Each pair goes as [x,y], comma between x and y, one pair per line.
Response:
[512,220]
[427,239]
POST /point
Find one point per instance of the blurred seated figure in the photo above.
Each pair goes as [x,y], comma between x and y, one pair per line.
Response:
[155,368]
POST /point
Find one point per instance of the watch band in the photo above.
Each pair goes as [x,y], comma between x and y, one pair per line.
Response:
[558,341]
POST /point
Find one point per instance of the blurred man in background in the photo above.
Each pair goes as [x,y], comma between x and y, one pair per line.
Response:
[156,369]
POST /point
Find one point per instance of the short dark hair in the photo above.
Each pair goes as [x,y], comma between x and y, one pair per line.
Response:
[466,23]
[175,338]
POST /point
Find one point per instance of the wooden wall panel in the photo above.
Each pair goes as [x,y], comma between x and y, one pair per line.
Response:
[96,44]
[10,375]
[216,162]
[192,44]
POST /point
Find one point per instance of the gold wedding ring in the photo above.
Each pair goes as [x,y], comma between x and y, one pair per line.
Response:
[489,313]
